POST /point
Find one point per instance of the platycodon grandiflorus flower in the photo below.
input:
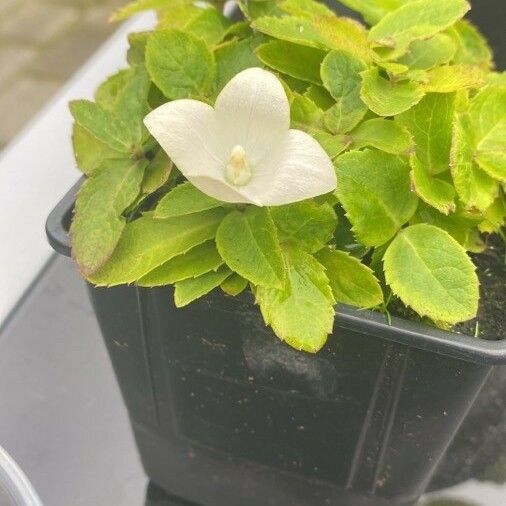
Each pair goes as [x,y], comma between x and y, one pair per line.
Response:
[243,150]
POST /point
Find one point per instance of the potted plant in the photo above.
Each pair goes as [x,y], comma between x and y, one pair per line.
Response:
[246,183]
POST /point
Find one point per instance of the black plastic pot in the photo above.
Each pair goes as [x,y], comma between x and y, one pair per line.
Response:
[226,414]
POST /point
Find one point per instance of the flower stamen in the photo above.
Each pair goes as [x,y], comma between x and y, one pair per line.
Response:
[238,171]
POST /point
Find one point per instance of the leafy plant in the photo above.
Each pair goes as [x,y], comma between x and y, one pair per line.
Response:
[409,110]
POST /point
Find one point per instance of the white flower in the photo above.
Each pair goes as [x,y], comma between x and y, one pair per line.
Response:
[243,150]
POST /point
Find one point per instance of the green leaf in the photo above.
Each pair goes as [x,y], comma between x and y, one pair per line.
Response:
[320,96]
[450,78]
[305,114]
[340,73]
[333,145]
[352,282]
[209,25]
[374,189]
[179,63]
[437,193]
[426,54]
[248,243]
[373,10]
[291,29]
[301,62]
[184,199]
[89,151]
[191,289]
[419,19]
[430,122]
[147,243]
[199,260]
[430,272]
[474,187]
[98,222]
[137,47]
[157,173]
[233,58]
[302,314]
[142,5]
[305,224]
[383,134]
[102,124]
[234,285]
[388,98]
[491,152]
[178,16]
[108,91]
[472,47]
[495,216]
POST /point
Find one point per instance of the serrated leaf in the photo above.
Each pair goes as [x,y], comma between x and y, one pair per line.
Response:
[248,243]
[102,124]
[382,134]
[157,173]
[472,47]
[147,243]
[435,192]
[449,78]
[491,152]
[374,189]
[430,272]
[234,285]
[302,314]
[474,187]
[89,152]
[340,73]
[431,122]
[388,98]
[373,10]
[184,199]
[298,61]
[426,54]
[351,281]
[209,25]
[98,223]
[234,57]
[199,260]
[305,224]
[108,91]
[179,63]
[192,289]
[419,19]
[305,114]
[333,145]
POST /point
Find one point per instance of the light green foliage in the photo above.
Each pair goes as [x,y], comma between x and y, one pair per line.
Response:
[306,224]
[192,289]
[249,244]
[472,48]
[184,199]
[301,62]
[352,282]
[431,122]
[383,134]
[430,272]
[98,222]
[386,97]
[429,53]
[234,57]
[437,193]
[196,262]
[374,189]
[409,111]
[234,285]
[340,74]
[179,63]
[419,19]
[147,243]
[302,313]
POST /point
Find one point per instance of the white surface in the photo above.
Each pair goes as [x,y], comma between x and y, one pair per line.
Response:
[38,167]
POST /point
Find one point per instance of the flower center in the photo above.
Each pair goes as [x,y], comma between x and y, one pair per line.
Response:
[238,171]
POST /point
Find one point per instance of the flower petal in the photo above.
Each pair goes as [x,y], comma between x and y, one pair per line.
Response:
[221,190]
[186,130]
[300,170]
[253,111]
